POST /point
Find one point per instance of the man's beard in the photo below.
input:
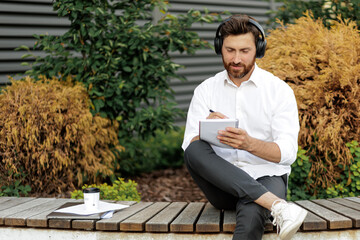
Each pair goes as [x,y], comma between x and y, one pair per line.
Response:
[238,73]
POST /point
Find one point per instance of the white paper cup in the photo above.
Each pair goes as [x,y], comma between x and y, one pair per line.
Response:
[91,198]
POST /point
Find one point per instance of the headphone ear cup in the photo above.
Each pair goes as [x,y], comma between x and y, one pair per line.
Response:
[260,48]
[218,45]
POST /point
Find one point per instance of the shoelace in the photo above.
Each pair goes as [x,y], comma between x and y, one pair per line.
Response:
[276,213]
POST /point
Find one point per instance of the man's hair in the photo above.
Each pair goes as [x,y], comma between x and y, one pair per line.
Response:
[239,24]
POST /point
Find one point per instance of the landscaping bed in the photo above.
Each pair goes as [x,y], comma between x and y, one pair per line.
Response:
[169,185]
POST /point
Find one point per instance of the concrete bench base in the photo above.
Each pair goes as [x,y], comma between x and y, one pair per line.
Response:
[56,234]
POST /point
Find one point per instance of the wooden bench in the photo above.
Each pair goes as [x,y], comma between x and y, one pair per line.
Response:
[156,220]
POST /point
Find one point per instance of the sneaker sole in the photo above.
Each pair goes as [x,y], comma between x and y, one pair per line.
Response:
[288,233]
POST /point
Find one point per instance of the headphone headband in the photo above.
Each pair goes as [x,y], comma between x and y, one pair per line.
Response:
[260,45]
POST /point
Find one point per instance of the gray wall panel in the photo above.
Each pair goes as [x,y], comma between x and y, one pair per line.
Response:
[20,19]
[29,7]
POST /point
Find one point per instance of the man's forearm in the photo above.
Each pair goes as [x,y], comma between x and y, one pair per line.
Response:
[269,151]
[240,139]
[195,138]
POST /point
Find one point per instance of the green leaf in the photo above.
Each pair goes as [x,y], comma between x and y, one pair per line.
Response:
[127,69]
[27,56]
[22,47]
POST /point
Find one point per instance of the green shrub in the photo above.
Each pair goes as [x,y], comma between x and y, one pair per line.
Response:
[119,191]
[299,178]
[327,10]
[48,133]
[323,71]
[347,185]
[15,187]
[15,190]
[294,9]
[350,179]
[123,58]
[158,152]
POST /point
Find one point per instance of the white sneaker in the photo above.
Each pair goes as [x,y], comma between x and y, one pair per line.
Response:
[288,217]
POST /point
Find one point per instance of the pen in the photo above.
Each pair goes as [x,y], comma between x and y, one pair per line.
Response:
[211,110]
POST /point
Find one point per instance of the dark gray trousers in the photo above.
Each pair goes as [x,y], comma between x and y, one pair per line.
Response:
[228,187]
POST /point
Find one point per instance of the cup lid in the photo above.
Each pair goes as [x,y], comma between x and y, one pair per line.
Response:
[91,190]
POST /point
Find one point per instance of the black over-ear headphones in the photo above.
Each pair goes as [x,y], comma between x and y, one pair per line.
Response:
[260,45]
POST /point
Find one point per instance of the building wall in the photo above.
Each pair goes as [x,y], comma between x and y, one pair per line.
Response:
[20,19]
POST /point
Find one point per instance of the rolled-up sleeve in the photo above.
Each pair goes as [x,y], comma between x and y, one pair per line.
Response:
[285,127]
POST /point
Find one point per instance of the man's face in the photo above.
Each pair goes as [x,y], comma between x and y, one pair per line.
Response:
[238,54]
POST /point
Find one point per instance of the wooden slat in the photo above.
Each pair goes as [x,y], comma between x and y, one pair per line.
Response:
[185,222]
[354,199]
[62,223]
[137,222]
[15,201]
[229,222]
[19,218]
[346,202]
[83,224]
[313,222]
[334,220]
[161,222]
[269,227]
[209,220]
[17,205]
[86,224]
[351,213]
[157,217]
[113,224]
[40,220]
[4,199]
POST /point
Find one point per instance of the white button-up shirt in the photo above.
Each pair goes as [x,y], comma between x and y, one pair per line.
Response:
[266,108]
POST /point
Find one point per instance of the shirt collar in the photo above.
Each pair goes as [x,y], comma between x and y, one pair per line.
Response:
[254,78]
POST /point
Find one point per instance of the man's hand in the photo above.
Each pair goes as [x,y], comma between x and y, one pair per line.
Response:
[240,139]
[212,115]
[236,138]
[216,115]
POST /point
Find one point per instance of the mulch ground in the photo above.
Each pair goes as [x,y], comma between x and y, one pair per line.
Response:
[169,185]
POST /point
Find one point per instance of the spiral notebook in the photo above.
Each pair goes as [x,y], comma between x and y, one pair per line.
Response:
[208,130]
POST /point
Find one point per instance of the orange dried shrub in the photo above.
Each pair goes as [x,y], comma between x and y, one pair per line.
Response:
[47,131]
[323,68]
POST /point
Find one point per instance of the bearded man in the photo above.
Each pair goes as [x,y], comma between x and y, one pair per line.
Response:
[251,176]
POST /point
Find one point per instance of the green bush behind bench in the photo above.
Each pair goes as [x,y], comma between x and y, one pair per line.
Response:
[157,152]
[348,184]
[120,191]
